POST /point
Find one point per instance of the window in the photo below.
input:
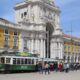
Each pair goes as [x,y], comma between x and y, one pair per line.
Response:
[36,61]
[75,59]
[25,61]
[65,48]
[7,60]
[29,61]
[6,38]
[25,13]
[18,61]
[14,60]
[25,44]
[15,38]
[2,60]
[6,31]
[79,58]
[15,41]
[64,58]
[32,61]
[15,33]
[68,58]
[22,61]
[22,15]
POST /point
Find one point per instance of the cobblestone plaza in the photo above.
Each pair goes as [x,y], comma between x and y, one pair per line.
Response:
[72,75]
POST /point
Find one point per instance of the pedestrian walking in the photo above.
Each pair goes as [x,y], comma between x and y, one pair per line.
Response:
[40,68]
[51,66]
[60,67]
[46,66]
[67,67]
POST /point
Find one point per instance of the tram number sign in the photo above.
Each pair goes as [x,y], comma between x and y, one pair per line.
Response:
[24,67]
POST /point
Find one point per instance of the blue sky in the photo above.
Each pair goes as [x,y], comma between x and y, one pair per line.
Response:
[70,13]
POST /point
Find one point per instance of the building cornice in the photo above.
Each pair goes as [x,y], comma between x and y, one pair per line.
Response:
[7,24]
[66,36]
[31,23]
[25,4]
[33,31]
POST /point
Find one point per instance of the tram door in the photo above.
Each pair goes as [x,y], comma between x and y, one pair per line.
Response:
[2,60]
[7,62]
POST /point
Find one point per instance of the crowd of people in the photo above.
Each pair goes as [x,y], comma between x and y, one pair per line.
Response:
[61,67]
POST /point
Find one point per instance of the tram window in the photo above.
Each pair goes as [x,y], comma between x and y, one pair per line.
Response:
[32,61]
[2,60]
[14,60]
[18,61]
[25,61]
[7,60]
[22,61]
[29,61]
[36,61]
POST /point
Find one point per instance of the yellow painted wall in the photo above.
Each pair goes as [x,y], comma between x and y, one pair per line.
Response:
[1,38]
[74,48]
[66,46]
[11,43]
[71,47]
[10,40]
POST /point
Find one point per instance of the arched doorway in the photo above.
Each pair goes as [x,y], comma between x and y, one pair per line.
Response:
[49,31]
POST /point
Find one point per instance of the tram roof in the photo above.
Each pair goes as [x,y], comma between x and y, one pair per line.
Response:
[18,57]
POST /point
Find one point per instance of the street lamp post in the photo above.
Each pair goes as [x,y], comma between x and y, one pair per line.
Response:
[71,43]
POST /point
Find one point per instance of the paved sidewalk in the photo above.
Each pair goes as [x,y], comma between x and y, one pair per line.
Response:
[72,75]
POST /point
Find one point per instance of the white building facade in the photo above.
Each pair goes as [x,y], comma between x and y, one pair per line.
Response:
[41,33]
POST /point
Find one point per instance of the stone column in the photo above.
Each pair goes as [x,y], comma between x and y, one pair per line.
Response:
[57,49]
[44,49]
[41,48]
[38,46]
[21,45]
[61,50]
[77,58]
[32,46]
[53,55]
[35,45]
[29,11]
[29,45]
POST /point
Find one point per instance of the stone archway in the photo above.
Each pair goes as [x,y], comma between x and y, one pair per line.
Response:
[49,31]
